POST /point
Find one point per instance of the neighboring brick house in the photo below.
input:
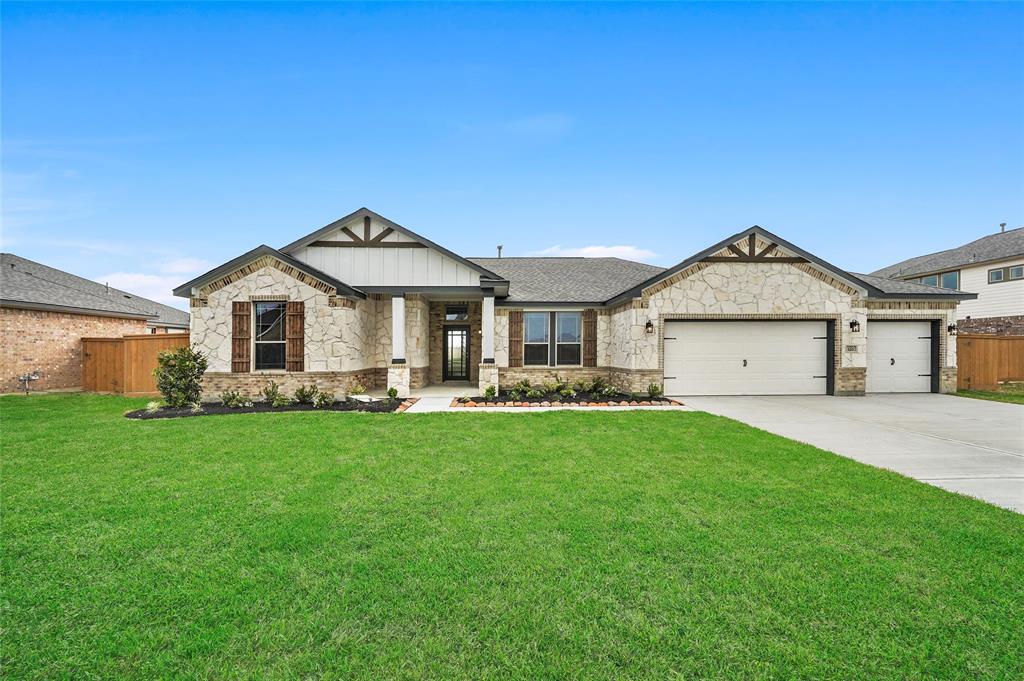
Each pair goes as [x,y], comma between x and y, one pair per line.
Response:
[992,267]
[365,300]
[45,312]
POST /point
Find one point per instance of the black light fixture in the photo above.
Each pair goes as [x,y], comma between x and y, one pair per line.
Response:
[649,326]
[854,326]
[951,329]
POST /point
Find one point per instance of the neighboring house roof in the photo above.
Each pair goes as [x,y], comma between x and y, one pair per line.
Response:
[898,287]
[366,212]
[567,280]
[185,290]
[28,284]
[999,246]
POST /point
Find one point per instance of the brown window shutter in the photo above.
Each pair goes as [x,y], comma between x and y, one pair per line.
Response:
[241,336]
[515,338]
[294,332]
[590,338]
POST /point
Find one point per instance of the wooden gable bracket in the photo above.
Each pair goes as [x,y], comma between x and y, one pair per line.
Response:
[752,255]
[365,241]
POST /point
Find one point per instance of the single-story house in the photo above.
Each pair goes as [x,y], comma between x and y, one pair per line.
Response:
[367,301]
[45,313]
[992,266]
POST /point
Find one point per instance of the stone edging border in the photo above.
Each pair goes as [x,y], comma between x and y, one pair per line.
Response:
[406,403]
[455,404]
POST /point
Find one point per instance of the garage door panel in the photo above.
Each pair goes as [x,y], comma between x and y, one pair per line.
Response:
[899,356]
[745,358]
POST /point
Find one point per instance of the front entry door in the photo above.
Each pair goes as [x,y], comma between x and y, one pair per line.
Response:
[456,353]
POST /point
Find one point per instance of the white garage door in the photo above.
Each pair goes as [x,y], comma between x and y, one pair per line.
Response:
[745,358]
[899,357]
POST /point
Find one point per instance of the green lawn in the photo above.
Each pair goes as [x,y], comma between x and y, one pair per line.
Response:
[583,545]
[1012,393]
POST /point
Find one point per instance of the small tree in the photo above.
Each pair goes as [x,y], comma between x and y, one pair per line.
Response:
[179,373]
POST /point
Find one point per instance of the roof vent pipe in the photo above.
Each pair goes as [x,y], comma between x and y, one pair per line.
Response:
[1002,227]
[499,250]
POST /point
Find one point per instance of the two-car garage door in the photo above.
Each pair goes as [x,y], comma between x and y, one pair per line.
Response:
[790,357]
[746,357]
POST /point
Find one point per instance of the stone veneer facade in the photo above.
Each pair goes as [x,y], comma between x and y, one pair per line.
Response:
[349,341]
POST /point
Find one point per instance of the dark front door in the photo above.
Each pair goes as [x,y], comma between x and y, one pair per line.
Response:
[456,353]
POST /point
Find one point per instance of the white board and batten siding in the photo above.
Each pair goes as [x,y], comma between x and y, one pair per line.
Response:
[899,357]
[746,358]
[368,266]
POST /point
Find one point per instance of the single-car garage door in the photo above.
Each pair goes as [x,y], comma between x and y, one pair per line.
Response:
[746,358]
[899,357]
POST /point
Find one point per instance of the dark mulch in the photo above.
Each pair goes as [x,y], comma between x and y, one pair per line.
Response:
[556,398]
[216,408]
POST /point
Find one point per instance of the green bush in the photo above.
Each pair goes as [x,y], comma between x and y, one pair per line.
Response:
[358,389]
[271,393]
[522,386]
[533,393]
[655,390]
[567,393]
[393,393]
[232,399]
[515,394]
[179,375]
[609,391]
[598,386]
[280,401]
[305,394]
[490,392]
[324,399]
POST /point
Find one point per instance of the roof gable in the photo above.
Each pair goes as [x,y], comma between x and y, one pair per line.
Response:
[259,257]
[342,225]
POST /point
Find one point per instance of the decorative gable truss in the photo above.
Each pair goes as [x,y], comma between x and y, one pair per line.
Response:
[372,237]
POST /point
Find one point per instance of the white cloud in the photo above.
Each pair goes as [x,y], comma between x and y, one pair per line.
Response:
[158,287]
[185,266]
[625,252]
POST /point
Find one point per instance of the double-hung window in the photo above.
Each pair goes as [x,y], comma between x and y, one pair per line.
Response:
[552,338]
[269,339]
[535,338]
[568,337]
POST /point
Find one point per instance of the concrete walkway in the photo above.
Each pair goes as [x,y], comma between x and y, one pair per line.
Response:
[973,447]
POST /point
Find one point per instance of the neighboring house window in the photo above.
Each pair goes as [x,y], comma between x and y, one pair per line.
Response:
[1010,273]
[270,335]
[535,338]
[568,337]
[947,280]
[456,313]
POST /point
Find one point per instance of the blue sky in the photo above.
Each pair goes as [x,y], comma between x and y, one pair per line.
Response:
[143,143]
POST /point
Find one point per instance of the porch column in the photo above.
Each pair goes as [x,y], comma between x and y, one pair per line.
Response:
[487,331]
[398,372]
[398,329]
[488,369]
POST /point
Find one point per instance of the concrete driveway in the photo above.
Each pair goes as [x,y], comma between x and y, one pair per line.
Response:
[968,446]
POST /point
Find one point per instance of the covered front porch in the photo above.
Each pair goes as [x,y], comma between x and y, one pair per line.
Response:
[441,343]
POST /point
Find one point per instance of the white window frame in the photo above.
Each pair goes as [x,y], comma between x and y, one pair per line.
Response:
[284,340]
[992,279]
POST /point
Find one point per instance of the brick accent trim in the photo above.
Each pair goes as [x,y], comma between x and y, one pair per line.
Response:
[258,264]
[910,304]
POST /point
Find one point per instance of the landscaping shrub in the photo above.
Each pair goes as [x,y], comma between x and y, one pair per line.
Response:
[393,393]
[359,389]
[522,386]
[490,392]
[655,390]
[306,394]
[324,399]
[533,393]
[153,407]
[567,393]
[271,393]
[232,399]
[179,375]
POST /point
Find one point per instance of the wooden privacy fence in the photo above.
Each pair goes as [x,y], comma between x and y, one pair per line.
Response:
[125,365]
[984,361]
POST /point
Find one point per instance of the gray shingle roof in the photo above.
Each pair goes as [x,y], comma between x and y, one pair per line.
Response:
[31,283]
[898,286]
[1008,244]
[567,280]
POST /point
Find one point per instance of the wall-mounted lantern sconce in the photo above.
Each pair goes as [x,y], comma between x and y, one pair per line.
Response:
[951,329]
[854,326]
[649,327]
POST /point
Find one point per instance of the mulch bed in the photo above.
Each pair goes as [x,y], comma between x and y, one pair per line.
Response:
[555,400]
[216,408]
